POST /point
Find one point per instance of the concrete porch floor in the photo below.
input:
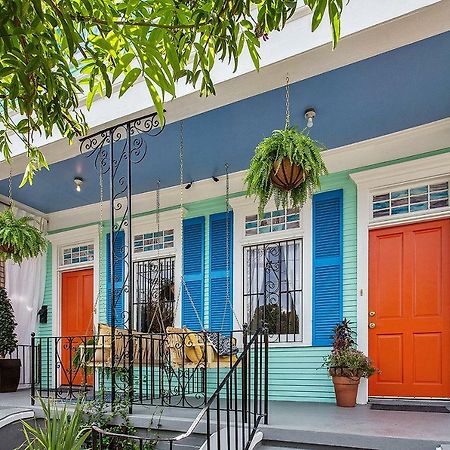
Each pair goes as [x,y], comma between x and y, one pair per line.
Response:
[305,425]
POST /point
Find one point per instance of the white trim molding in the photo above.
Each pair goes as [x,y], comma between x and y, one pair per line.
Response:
[405,143]
[65,239]
[368,181]
[242,207]
[167,220]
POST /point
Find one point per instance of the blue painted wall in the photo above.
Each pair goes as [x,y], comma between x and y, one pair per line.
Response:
[399,89]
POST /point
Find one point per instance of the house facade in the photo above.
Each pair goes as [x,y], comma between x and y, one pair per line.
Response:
[372,246]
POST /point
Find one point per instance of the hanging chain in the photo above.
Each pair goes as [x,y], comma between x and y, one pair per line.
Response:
[227,243]
[160,243]
[183,281]
[288,112]
[100,257]
[228,302]
[158,211]
[181,156]
[10,186]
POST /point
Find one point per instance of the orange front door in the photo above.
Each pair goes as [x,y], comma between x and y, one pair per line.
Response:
[409,309]
[77,304]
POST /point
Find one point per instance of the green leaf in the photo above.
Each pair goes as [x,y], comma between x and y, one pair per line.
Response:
[318,13]
[129,79]
[156,98]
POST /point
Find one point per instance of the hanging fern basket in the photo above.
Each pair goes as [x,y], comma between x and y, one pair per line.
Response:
[286,166]
[19,238]
[286,176]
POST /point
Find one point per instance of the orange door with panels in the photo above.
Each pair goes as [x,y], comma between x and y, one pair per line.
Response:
[77,295]
[409,309]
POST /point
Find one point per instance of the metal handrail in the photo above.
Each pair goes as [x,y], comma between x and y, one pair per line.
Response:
[214,397]
[153,355]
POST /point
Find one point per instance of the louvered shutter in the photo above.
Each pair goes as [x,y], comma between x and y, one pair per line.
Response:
[327,265]
[119,268]
[193,272]
[220,313]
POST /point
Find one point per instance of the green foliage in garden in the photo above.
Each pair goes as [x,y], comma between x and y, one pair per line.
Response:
[61,430]
[53,53]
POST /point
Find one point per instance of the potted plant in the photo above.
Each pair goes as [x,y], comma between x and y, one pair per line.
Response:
[287,165]
[19,238]
[9,368]
[346,365]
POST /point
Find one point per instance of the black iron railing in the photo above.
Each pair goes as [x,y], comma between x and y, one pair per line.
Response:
[231,416]
[23,352]
[178,368]
[273,288]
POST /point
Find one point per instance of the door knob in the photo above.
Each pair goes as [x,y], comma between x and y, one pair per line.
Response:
[372,313]
[372,325]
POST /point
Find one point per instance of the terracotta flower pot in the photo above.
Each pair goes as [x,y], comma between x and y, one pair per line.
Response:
[9,374]
[286,176]
[346,390]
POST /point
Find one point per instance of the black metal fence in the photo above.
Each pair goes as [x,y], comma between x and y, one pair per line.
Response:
[23,352]
[178,368]
[230,417]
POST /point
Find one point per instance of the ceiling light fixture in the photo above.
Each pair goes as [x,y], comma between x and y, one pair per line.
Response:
[78,182]
[310,115]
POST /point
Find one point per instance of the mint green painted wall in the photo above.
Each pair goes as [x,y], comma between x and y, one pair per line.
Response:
[295,372]
[46,329]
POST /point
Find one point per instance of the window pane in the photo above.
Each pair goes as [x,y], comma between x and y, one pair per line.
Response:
[273,288]
[155,297]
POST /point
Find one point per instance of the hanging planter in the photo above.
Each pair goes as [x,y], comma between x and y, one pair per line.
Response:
[19,239]
[287,165]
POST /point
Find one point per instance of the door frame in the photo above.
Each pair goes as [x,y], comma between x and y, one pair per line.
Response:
[59,241]
[423,169]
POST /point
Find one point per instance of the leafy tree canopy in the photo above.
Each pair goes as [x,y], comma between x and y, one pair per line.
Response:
[55,52]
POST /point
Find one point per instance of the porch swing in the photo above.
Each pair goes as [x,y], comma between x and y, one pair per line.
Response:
[186,348]
[201,349]
[97,352]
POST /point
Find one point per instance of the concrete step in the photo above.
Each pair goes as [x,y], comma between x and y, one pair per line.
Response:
[286,446]
[11,434]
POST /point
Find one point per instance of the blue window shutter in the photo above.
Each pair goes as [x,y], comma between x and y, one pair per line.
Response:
[327,265]
[220,312]
[193,272]
[119,269]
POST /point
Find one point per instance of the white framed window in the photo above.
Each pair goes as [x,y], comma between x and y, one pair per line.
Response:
[272,270]
[272,221]
[75,255]
[156,240]
[273,288]
[154,300]
[409,200]
[157,269]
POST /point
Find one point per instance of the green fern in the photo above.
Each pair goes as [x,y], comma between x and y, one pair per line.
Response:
[19,239]
[302,151]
